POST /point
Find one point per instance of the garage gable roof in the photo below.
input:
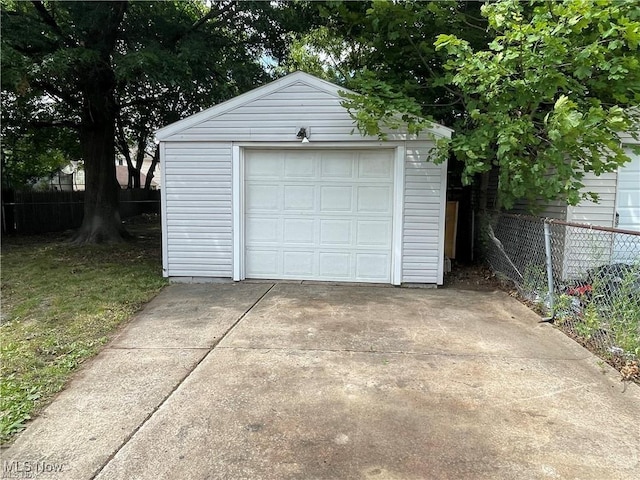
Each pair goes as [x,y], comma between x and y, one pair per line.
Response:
[264,91]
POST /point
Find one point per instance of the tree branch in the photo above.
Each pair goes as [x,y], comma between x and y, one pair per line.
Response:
[49,20]
[204,19]
[152,168]
[477,27]
[51,123]
[56,92]
[430,70]
[449,104]
[122,144]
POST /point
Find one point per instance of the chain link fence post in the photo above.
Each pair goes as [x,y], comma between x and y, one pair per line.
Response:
[586,278]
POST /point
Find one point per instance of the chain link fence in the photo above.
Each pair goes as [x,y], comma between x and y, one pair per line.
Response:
[584,278]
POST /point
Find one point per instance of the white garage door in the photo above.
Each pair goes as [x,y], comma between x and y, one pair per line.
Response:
[628,197]
[319,215]
[625,248]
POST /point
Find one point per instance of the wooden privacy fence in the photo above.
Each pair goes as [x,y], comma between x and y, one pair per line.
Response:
[42,212]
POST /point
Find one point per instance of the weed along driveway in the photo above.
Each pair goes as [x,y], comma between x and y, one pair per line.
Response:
[314,381]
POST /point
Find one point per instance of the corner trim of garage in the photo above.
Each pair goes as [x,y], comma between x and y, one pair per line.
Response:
[398,214]
[236,182]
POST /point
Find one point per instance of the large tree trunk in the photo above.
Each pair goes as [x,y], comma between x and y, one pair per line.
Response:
[101,222]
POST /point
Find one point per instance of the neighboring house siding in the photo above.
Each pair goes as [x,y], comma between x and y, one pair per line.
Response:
[275,117]
[584,249]
[628,194]
[550,209]
[198,209]
[556,209]
[601,213]
[423,210]
[578,249]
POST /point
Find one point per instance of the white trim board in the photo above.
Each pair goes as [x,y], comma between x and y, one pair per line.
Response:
[442,221]
[398,215]
[238,208]
[163,212]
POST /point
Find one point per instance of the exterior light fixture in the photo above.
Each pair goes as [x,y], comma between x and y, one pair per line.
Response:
[304,134]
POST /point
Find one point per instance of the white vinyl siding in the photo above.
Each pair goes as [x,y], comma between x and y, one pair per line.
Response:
[423,215]
[601,213]
[581,255]
[198,216]
[277,117]
[548,209]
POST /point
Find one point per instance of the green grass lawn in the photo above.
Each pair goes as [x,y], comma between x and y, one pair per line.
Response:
[60,304]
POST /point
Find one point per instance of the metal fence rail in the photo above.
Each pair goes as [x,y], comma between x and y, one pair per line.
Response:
[586,278]
[43,212]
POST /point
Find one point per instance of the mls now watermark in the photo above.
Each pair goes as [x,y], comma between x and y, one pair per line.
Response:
[29,469]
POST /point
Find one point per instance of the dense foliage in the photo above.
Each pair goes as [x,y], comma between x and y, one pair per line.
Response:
[544,102]
[111,72]
[547,101]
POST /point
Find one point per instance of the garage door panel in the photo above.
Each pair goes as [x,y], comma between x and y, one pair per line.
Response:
[269,166]
[375,167]
[374,199]
[299,264]
[299,231]
[372,266]
[336,199]
[299,197]
[264,263]
[371,233]
[628,198]
[328,216]
[628,209]
[335,265]
[263,198]
[297,167]
[333,168]
[336,232]
[262,230]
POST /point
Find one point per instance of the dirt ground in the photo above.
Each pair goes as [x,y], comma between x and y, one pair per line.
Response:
[473,277]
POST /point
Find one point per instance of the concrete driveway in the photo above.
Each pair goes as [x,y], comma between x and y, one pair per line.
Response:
[303,381]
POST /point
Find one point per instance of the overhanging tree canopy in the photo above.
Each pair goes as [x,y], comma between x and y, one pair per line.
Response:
[544,103]
[548,99]
[142,63]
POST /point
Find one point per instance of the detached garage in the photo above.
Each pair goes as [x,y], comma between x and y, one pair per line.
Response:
[278,184]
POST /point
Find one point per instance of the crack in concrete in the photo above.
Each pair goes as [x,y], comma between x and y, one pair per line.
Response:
[159,348]
[404,352]
[547,395]
[179,383]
